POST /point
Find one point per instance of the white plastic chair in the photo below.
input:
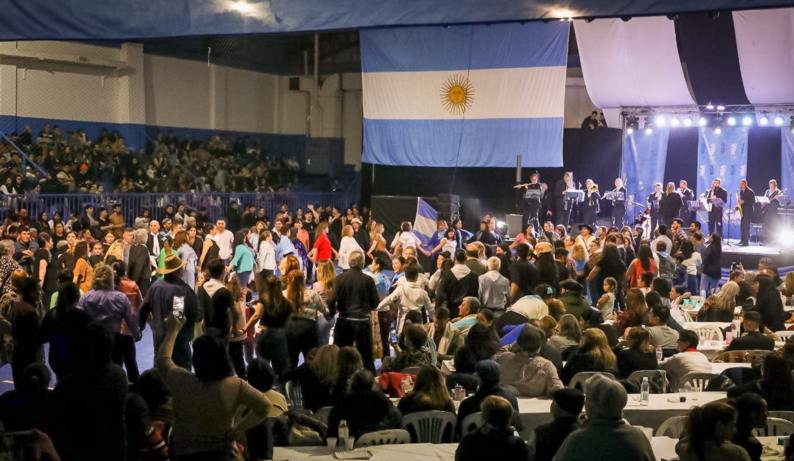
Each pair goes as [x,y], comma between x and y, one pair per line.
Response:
[656,378]
[294,394]
[709,333]
[471,423]
[775,427]
[672,427]
[323,413]
[787,415]
[578,380]
[784,335]
[386,437]
[697,381]
[431,426]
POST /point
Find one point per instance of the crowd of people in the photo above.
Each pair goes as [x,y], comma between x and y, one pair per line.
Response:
[245,311]
[72,162]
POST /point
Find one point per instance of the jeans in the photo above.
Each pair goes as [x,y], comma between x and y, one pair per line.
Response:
[244,278]
[301,338]
[692,284]
[347,332]
[709,284]
[272,346]
[236,356]
[124,354]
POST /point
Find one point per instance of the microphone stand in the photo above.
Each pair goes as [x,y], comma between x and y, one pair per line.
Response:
[730,220]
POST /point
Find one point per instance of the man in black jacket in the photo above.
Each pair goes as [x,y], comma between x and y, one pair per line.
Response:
[139,264]
[753,340]
[356,297]
[457,283]
[746,204]
[565,409]
[489,374]
[715,215]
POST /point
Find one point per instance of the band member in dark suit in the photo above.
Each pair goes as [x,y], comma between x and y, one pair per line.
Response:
[769,210]
[687,195]
[533,200]
[562,206]
[592,203]
[619,197]
[670,205]
[715,215]
[745,203]
[653,204]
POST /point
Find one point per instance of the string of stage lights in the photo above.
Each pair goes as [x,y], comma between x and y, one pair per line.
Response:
[716,116]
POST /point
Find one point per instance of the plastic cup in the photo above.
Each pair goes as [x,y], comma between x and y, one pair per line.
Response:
[349,443]
[331,442]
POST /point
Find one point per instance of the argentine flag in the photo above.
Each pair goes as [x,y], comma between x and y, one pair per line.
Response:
[424,221]
[469,95]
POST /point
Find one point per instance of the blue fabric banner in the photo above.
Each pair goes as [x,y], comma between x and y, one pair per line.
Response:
[472,96]
[644,158]
[786,160]
[723,156]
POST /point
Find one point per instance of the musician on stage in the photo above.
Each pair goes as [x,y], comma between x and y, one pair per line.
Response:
[745,204]
[716,212]
[769,210]
[563,206]
[592,203]
[687,195]
[619,197]
[653,204]
[533,196]
[670,205]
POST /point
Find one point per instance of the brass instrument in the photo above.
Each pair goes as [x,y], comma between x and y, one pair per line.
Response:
[739,203]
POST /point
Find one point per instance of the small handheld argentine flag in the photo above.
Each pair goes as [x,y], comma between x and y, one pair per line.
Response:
[425,221]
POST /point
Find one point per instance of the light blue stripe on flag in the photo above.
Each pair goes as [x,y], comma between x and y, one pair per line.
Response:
[484,142]
[496,46]
[425,221]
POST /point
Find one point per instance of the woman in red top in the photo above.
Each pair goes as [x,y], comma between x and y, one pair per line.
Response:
[644,262]
[322,245]
[124,345]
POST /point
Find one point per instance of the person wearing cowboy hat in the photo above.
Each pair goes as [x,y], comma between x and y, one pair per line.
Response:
[360,233]
[159,303]
[585,235]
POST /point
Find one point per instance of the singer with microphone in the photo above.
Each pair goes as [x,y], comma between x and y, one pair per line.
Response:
[744,205]
[716,198]
[653,205]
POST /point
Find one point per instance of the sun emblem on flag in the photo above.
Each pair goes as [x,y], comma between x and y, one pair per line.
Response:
[457,94]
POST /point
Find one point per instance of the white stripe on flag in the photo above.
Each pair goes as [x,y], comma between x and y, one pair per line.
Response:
[526,92]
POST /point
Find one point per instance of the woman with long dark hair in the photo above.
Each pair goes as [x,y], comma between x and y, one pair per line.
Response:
[243,260]
[429,393]
[712,268]
[643,263]
[594,354]
[272,312]
[710,429]
[302,325]
[83,272]
[610,265]
[769,304]
[775,386]
[548,271]
[691,260]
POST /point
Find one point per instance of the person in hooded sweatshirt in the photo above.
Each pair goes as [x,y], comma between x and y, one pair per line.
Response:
[457,283]
[409,296]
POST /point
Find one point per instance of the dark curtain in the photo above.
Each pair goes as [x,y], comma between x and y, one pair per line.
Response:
[763,157]
[682,157]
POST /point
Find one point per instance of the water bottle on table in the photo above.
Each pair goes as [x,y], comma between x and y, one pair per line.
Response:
[645,391]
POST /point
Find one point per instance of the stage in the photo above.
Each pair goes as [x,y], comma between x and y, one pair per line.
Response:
[782,258]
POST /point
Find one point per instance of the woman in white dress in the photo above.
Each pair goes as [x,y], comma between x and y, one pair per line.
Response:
[347,246]
[448,243]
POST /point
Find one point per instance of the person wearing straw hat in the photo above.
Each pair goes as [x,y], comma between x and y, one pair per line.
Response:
[159,303]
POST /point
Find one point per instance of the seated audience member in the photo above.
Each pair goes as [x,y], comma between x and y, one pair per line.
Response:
[652,299]
[364,408]
[478,345]
[638,355]
[768,303]
[720,306]
[752,338]
[527,308]
[569,334]
[526,373]
[592,318]
[494,287]
[429,393]
[634,313]
[593,355]
[202,430]
[687,360]
[710,429]
[261,376]
[446,337]
[348,362]
[775,386]
[413,353]
[316,377]
[495,436]
[572,297]
[661,334]
[468,314]
[26,407]
[489,373]
[607,436]
[566,406]
[753,413]
[788,353]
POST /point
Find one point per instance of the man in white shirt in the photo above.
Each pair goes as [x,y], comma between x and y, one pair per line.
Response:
[688,360]
[225,239]
[494,287]
[661,334]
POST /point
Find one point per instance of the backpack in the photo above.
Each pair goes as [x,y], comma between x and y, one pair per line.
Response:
[679,276]
[666,268]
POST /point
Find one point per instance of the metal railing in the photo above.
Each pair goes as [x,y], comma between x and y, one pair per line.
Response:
[131,204]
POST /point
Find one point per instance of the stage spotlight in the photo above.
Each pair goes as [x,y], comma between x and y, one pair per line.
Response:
[702,121]
[674,122]
[720,107]
[747,120]
[709,106]
[717,130]
[630,130]
[764,120]
[687,122]
[648,131]
[778,120]
[500,224]
[660,120]
[732,121]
